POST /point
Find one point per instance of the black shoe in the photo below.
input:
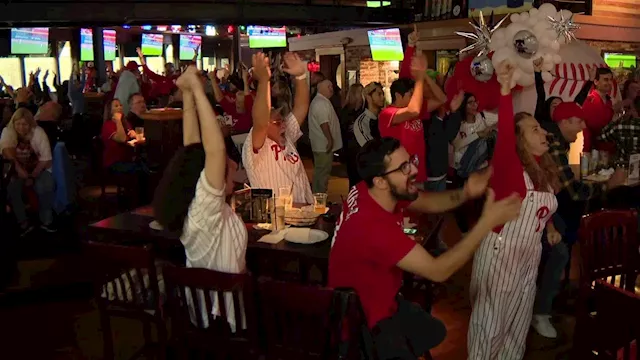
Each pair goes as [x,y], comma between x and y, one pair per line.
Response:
[48,228]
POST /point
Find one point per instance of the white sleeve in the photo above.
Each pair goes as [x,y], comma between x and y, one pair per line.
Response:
[251,158]
[490,119]
[205,206]
[7,139]
[41,145]
[292,128]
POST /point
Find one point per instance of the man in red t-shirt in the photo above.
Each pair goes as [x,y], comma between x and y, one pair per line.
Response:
[599,110]
[370,250]
[409,106]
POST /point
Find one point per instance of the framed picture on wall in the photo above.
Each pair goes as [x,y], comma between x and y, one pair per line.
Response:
[352,77]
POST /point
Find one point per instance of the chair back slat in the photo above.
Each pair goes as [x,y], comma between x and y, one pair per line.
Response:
[617,322]
[609,247]
[297,320]
[124,276]
[212,311]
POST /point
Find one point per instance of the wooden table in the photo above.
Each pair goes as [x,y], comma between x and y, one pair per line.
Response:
[132,228]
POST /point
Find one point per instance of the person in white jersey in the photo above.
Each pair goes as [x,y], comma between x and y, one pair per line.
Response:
[269,153]
[213,236]
[505,267]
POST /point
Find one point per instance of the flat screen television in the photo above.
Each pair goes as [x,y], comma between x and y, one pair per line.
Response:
[109,39]
[29,41]
[152,44]
[614,60]
[267,37]
[86,44]
[187,44]
[386,44]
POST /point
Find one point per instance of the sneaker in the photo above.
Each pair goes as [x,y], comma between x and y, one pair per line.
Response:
[543,326]
[25,229]
[48,228]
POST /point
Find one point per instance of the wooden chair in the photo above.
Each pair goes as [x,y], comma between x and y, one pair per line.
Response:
[105,177]
[612,331]
[196,329]
[126,285]
[299,322]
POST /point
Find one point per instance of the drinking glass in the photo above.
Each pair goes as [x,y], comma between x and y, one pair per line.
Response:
[139,133]
[284,193]
[319,202]
[276,209]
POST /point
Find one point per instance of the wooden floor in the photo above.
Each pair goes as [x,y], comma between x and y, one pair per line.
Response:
[56,319]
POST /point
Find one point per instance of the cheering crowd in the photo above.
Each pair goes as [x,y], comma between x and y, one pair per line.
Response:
[398,161]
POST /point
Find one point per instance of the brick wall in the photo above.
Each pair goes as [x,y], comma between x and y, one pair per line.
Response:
[613,46]
[355,54]
[307,55]
[383,72]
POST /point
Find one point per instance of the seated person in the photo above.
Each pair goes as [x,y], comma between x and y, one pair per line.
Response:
[191,196]
[269,153]
[474,143]
[625,133]
[25,144]
[117,156]
[137,107]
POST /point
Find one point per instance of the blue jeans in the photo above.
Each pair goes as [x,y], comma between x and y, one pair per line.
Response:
[476,154]
[44,187]
[551,273]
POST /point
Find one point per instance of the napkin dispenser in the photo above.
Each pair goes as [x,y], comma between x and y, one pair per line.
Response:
[252,205]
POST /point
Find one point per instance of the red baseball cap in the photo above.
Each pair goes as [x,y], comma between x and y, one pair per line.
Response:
[132,65]
[567,110]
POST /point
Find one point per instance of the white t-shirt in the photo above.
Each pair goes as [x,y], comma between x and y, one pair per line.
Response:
[468,133]
[215,238]
[320,112]
[39,143]
[273,166]
[362,126]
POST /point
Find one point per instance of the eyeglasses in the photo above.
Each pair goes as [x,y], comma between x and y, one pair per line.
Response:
[405,167]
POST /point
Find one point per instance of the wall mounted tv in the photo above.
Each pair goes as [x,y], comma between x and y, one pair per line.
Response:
[386,44]
[152,44]
[86,44]
[267,37]
[109,39]
[29,41]
[615,60]
[187,44]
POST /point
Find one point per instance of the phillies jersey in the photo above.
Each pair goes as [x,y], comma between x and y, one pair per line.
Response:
[274,166]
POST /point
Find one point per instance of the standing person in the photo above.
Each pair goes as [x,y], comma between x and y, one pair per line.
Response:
[599,111]
[505,268]
[269,153]
[128,84]
[351,109]
[365,127]
[370,251]
[567,124]
[441,131]
[403,118]
[325,136]
[214,237]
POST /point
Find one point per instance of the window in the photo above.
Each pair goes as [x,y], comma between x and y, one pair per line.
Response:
[32,63]
[65,62]
[11,71]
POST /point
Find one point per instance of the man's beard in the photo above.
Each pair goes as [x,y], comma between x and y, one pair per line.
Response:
[404,195]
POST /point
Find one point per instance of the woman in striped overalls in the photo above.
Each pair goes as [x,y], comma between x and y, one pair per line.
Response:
[505,267]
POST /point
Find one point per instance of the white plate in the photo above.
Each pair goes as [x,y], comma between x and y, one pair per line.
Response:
[263,226]
[156,225]
[305,235]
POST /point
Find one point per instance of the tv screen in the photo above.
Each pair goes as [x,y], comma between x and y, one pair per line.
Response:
[386,45]
[187,44]
[109,38]
[86,44]
[152,44]
[620,60]
[29,41]
[267,37]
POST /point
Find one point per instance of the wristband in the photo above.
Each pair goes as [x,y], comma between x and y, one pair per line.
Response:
[301,77]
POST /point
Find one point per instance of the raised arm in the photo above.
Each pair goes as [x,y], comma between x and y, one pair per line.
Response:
[540,92]
[412,111]
[507,168]
[190,126]
[212,139]
[217,92]
[261,111]
[294,66]
[586,88]
[453,121]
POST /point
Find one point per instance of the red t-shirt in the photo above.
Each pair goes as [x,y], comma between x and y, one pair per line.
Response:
[598,113]
[161,85]
[241,123]
[410,133]
[114,151]
[368,243]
